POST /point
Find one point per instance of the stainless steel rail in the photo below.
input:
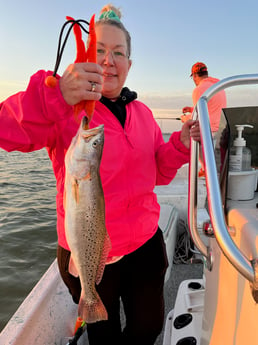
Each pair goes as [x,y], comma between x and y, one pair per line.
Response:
[228,247]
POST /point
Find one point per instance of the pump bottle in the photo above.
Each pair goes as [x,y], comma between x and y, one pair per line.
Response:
[240,155]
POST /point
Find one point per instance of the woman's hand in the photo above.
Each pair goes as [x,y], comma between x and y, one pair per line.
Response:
[77,80]
[190,129]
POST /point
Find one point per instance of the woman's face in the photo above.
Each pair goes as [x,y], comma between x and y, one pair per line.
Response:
[112,56]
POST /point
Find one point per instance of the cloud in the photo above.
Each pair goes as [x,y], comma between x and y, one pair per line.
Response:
[8,88]
[242,96]
[239,96]
[172,101]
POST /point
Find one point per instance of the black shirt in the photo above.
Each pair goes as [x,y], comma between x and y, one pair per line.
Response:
[118,107]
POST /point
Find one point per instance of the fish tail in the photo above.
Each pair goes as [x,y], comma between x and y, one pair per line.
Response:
[92,312]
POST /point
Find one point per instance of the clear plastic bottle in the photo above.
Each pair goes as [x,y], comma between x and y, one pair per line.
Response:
[240,155]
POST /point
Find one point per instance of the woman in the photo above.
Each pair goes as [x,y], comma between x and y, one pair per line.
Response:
[135,159]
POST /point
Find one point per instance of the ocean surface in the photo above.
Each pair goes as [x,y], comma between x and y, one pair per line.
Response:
[27,225]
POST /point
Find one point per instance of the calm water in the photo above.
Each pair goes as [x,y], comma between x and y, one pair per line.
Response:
[27,225]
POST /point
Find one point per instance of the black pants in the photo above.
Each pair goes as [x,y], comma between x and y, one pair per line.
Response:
[137,280]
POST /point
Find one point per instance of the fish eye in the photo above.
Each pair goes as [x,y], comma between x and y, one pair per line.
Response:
[95,143]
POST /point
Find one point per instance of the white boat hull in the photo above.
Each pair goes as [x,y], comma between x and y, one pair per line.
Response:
[46,316]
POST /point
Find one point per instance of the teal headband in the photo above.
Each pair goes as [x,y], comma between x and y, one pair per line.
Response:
[109,15]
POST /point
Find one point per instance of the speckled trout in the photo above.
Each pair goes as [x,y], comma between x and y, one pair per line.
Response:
[85,228]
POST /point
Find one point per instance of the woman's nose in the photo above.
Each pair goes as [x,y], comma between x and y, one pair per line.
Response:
[109,58]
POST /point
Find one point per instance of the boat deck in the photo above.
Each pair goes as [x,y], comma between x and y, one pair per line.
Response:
[179,273]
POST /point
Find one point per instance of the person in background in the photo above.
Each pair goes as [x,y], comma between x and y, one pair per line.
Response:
[203,81]
[135,159]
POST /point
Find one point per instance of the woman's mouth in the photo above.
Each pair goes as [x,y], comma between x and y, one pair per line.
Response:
[108,75]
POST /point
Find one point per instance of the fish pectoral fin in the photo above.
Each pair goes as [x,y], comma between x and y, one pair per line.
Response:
[75,190]
[75,187]
[72,268]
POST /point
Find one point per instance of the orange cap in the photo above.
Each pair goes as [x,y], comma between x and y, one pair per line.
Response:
[198,67]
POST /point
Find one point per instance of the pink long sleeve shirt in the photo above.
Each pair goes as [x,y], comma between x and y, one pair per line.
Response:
[215,104]
[135,158]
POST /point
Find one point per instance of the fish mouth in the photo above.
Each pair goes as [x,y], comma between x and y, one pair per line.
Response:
[91,131]
[96,130]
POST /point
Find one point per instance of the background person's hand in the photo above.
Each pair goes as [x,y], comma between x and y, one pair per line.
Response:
[185,118]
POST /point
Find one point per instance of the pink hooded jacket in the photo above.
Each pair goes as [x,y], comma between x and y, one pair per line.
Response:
[135,158]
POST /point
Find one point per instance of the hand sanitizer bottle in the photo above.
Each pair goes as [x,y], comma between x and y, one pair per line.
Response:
[240,155]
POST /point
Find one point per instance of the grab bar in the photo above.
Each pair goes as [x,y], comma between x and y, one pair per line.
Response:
[228,247]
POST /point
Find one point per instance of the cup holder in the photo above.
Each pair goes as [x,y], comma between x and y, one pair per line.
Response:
[194,286]
[182,320]
[187,341]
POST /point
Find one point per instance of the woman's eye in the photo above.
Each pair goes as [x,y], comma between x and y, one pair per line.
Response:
[100,51]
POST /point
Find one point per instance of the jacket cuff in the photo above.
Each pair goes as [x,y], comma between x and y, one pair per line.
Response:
[175,140]
[52,97]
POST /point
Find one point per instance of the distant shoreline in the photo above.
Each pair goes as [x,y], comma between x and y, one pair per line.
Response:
[160,113]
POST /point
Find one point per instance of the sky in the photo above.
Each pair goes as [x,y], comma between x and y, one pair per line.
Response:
[168,37]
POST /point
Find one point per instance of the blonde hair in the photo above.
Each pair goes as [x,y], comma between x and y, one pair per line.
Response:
[110,7]
[115,20]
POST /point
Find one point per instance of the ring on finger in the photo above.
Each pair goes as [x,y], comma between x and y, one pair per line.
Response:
[93,86]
